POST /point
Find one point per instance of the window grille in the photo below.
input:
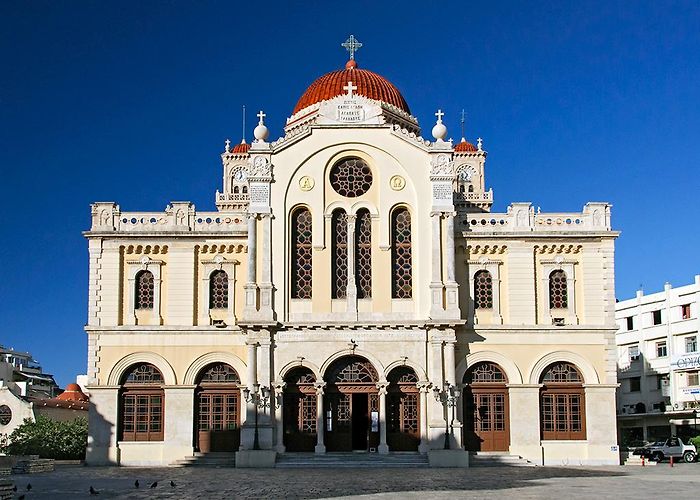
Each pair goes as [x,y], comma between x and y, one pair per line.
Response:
[218,290]
[402,287]
[340,254]
[562,373]
[485,372]
[301,255]
[363,254]
[483,290]
[351,177]
[562,408]
[219,373]
[143,373]
[558,290]
[350,370]
[145,284]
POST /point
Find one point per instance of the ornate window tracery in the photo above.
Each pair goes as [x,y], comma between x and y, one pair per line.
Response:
[351,177]
[339,221]
[483,290]
[562,404]
[352,370]
[143,373]
[301,254]
[562,373]
[218,290]
[219,373]
[485,372]
[145,290]
[558,290]
[402,267]
[363,254]
[142,404]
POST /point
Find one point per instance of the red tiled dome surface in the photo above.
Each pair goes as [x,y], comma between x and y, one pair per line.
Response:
[368,84]
[72,393]
[465,147]
[240,149]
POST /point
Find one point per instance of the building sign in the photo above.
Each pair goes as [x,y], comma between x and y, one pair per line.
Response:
[689,361]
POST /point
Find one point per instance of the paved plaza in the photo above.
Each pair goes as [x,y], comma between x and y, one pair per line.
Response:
[681,481]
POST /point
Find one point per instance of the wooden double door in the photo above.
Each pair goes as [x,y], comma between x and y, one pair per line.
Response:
[486,413]
[351,418]
[299,416]
[403,418]
[218,420]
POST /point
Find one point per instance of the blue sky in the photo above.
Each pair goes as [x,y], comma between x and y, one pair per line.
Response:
[131,102]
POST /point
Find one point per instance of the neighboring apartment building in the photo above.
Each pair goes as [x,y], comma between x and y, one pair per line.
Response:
[658,364]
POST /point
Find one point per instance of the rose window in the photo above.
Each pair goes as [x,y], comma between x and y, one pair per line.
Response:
[351,177]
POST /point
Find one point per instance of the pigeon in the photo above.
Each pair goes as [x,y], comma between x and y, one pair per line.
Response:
[172,484]
[93,491]
[154,484]
[136,483]
[29,486]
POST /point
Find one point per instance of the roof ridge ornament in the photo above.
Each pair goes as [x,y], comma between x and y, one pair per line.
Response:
[352,44]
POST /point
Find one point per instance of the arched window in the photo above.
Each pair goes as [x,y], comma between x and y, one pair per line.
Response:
[483,290]
[363,254]
[142,403]
[485,372]
[218,290]
[235,190]
[301,254]
[339,275]
[144,292]
[562,404]
[245,190]
[401,283]
[558,290]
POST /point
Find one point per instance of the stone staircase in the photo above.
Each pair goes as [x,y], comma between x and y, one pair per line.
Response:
[211,459]
[351,460]
[497,459]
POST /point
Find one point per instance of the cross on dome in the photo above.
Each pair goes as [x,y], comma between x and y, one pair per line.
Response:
[349,88]
[439,115]
[228,145]
[352,44]
[261,115]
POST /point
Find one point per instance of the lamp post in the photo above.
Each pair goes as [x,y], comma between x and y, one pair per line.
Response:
[260,398]
[448,396]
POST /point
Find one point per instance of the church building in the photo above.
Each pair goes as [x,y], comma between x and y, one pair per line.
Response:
[352,291]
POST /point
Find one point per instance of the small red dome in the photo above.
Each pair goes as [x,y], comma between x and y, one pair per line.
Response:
[465,147]
[368,84]
[240,149]
[73,392]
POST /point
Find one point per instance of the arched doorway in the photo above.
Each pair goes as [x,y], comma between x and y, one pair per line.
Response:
[217,409]
[486,412]
[351,405]
[403,410]
[299,410]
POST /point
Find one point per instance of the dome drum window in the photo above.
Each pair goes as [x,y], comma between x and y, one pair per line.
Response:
[351,177]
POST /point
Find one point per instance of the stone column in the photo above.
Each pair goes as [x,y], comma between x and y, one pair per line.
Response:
[383,447]
[451,286]
[252,376]
[251,287]
[450,362]
[436,285]
[178,429]
[278,399]
[524,417]
[424,388]
[266,274]
[320,447]
[352,286]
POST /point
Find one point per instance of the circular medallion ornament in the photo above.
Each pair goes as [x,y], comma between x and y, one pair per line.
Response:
[306,183]
[351,177]
[5,415]
[397,183]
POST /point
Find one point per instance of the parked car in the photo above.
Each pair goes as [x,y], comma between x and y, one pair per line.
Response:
[672,447]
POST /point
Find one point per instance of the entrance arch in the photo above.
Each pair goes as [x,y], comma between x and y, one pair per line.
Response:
[403,410]
[351,405]
[217,408]
[486,408]
[299,406]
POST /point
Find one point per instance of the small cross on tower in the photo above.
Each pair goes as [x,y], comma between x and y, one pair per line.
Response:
[228,145]
[351,45]
[439,115]
[349,88]
[261,115]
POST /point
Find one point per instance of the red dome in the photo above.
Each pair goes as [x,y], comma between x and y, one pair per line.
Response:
[240,149]
[465,147]
[368,84]
[72,393]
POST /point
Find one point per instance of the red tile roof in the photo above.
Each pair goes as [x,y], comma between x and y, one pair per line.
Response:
[465,147]
[241,149]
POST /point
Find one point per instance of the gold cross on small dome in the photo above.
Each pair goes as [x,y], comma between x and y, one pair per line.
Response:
[352,44]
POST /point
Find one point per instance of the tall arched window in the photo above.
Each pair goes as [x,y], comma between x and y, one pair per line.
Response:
[363,254]
[339,275]
[483,290]
[562,404]
[218,290]
[142,403]
[401,283]
[145,289]
[301,254]
[558,290]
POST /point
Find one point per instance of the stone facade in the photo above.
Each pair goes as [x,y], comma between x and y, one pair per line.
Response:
[282,318]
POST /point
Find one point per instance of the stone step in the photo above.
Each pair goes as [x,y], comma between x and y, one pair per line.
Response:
[350,460]
[498,459]
[211,459]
